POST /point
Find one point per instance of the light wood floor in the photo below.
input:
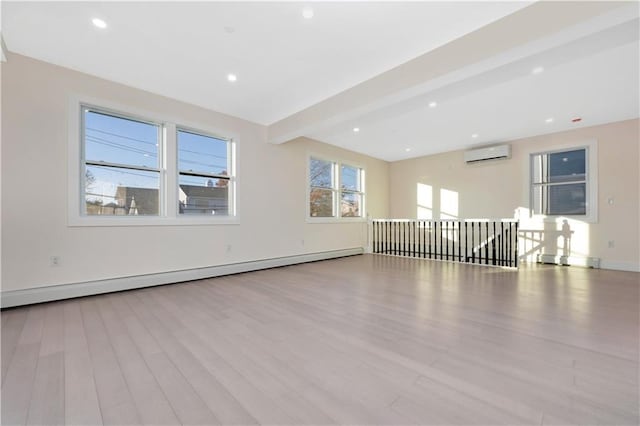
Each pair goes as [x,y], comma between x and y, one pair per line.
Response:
[360,340]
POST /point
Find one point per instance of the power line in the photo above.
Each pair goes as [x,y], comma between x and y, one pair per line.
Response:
[112,144]
[147,142]
[121,136]
[203,153]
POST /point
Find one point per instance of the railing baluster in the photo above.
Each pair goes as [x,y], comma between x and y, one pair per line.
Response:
[510,248]
[466,242]
[501,246]
[440,236]
[446,241]
[451,240]
[473,242]
[486,243]
[493,244]
[396,245]
[414,238]
[516,246]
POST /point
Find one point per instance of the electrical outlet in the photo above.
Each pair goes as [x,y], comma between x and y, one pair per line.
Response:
[54,261]
[612,243]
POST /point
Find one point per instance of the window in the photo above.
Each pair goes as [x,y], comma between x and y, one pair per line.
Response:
[322,193]
[121,165]
[560,183]
[134,168]
[335,190]
[351,194]
[203,164]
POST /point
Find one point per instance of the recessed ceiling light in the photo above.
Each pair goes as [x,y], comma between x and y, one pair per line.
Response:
[475,135]
[307,13]
[433,104]
[232,77]
[407,149]
[549,120]
[99,23]
[537,70]
[229,30]
[356,129]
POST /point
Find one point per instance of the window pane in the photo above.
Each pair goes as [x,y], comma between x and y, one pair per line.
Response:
[321,173]
[350,178]
[350,205]
[118,191]
[120,140]
[567,199]
[204,154]
[202,195]
[567,166]
[321,203]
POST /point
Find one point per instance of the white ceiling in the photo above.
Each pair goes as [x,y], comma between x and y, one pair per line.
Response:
[285,64]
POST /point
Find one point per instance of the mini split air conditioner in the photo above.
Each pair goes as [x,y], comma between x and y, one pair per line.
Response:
[495,152]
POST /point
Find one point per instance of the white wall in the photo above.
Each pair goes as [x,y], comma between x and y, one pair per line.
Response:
[271,194]
[497,188]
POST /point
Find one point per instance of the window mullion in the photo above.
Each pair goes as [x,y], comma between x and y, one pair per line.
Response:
[170,166]
[337,190]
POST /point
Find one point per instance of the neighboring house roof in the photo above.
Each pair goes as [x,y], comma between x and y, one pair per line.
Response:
[146,199]
[205,191]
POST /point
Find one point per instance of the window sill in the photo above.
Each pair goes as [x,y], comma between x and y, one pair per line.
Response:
[589,218]
[151,221]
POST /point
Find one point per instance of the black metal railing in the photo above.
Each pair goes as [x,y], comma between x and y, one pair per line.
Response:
[479,241]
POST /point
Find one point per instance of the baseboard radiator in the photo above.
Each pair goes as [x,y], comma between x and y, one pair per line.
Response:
[30,296]
[554,259]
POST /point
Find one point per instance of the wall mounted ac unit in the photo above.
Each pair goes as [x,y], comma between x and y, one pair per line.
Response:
[495,152]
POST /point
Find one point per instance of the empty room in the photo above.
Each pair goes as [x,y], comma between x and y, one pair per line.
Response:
[320,213]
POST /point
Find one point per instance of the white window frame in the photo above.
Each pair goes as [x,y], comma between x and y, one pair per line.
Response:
[84,162]
[591,181]
[168,165]
[337,191]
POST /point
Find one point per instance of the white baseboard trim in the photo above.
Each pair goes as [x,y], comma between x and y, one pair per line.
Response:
[66,291]
[620,266]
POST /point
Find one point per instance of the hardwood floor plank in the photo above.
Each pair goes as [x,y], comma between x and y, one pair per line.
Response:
[116,403]
[21,372]
[260,405]
[13,321]
[151,403]
[17,389]
[188,406]
[48,396]
[373,340]
[219,400]
[81,397]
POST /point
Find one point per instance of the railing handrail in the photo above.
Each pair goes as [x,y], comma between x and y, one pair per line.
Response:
[498,219]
